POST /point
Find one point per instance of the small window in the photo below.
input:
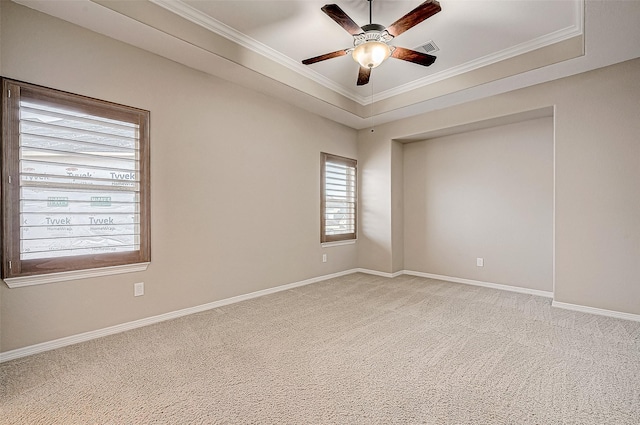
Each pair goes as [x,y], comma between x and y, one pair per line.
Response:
[75,188]
[338,198]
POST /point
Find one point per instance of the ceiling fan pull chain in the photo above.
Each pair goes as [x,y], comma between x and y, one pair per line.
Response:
[372,114]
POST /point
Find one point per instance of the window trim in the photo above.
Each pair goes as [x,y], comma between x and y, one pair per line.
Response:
[15,269]
[324,238]
[18,282]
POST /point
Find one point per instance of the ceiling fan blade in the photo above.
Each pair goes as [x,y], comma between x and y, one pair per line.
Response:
[363,75]
[417,15]
[413,56]
[325,57]
[341,18]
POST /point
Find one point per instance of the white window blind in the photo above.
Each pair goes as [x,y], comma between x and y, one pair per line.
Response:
[339,198]
[79,183]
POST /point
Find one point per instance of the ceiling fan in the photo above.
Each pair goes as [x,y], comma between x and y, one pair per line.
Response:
[370,42]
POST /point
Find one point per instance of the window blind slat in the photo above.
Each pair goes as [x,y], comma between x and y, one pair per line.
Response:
[66,244]
[342,201]
[342,208]
[339,185]
[76,207]
[103,198]
[37,129]
[60,169]
[79,251]
[50,140]
[80,184]
[336,214]
[82,157]
[34,232]
[39,111]
[79,219]
[339,175]
[61,120]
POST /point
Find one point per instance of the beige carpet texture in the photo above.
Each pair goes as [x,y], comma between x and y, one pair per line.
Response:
[358,349]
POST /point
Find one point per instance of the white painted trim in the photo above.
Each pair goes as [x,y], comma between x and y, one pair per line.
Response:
[529,46]
[338,243]
[499,286]
[378,273]
[598,311]
[554,206]
[87,336]
[17,282]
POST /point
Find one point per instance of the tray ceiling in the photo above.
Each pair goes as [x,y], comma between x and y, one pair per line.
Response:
[485,46]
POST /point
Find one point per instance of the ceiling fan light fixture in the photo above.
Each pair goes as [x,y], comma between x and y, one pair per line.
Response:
[371,54]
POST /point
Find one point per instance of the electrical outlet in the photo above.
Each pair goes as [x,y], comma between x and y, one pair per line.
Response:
[480,262]
[324,258]
[138,289]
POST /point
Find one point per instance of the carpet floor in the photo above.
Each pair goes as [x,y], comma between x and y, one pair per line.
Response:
[358,349]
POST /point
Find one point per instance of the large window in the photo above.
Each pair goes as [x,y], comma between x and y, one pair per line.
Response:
[338,198]
[75,182]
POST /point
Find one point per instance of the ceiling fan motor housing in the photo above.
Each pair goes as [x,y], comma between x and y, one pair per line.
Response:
[372,32]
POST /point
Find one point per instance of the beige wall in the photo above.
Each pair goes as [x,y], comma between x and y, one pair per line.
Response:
[374,237]
[597,170]
[488,194]
[234,183]
[397,205]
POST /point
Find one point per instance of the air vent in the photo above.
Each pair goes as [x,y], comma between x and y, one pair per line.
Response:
[429,47]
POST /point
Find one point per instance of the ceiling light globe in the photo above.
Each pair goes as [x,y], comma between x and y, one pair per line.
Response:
[371,53]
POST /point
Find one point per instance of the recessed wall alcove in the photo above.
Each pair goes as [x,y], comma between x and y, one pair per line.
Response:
[482,190]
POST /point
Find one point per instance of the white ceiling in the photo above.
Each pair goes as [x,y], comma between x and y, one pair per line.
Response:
[486,46]
[467,32]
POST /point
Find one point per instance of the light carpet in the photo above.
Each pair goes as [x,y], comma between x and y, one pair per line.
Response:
[358,349]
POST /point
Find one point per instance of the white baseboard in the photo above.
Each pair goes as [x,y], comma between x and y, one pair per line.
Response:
[377,273]
[502,287]
[87,336]
[598,311]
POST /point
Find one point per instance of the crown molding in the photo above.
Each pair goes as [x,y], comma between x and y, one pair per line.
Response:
[538,43]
